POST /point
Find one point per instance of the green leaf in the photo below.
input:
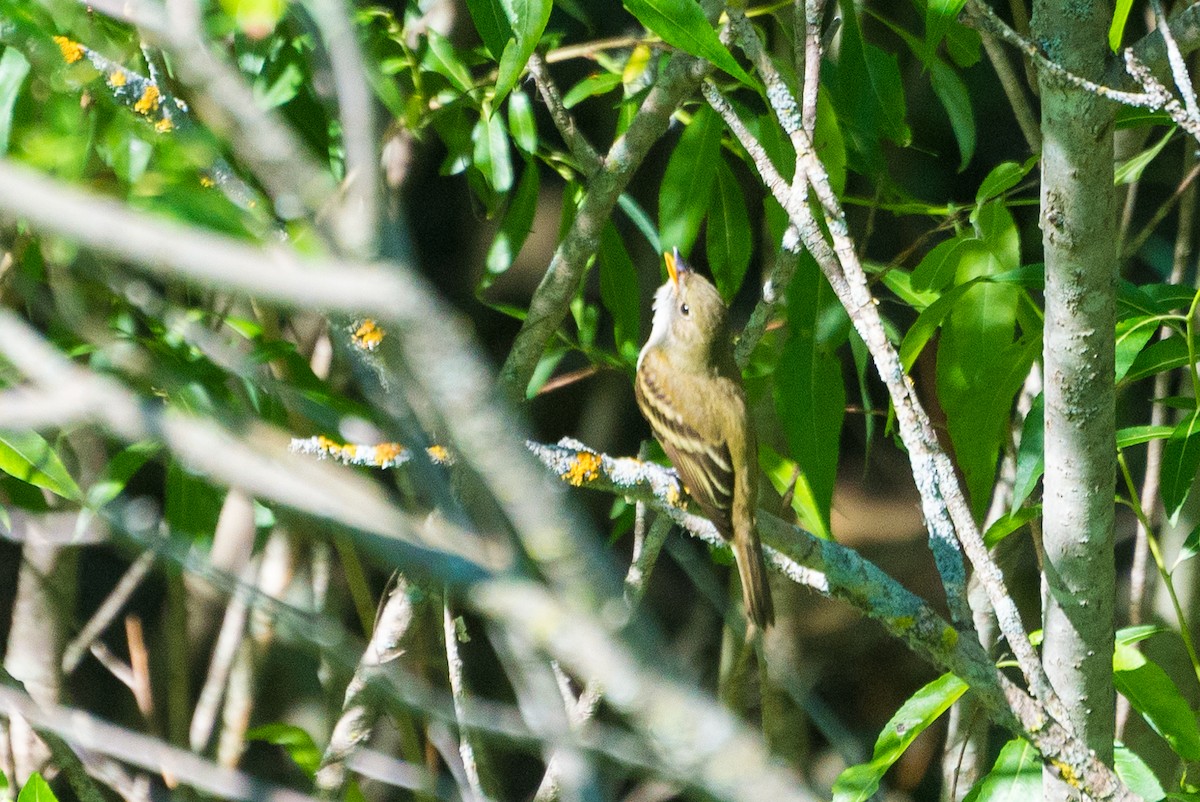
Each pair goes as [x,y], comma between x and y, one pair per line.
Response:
[491,151]
[979,367]
[36,789]
[1181,458]
[491,20]
[443,60]
[687,186]
[1132,335]
[869,95]
[192,504]
[528,19]
[923,708]
[828,142]
[1158,356]
[1015,777]
[810,393]
[1152,693]
[115,476]
[1136,435]
[1003,177]
[1132,168]
[952,92]
[13,69]
[518,222]
[26,455]
[1189,549]
[1031,461]
[1127,636]
[728,234]
[597,84]
[1005,525]
[1117,30]
[963,44]
[1136,775]
[619,292]
[298,743]
[521,123]
[256,18]
[682,24]
[940,265]
[927,324]
[939,15]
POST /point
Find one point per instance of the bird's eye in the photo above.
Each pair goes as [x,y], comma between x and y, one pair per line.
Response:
[684,309]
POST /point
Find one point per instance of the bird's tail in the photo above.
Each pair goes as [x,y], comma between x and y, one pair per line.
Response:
[756,593]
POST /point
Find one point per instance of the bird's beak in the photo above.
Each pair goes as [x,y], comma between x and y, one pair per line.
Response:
[675,265]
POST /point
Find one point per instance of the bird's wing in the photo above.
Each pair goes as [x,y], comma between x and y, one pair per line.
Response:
[703,462]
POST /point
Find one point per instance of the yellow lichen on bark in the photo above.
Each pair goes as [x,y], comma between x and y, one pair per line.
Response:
[149,100]
[72,51]
[584,468]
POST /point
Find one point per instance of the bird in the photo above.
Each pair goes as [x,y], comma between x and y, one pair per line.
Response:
[689,389]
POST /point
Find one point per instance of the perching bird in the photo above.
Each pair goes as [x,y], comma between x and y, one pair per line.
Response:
[690,390]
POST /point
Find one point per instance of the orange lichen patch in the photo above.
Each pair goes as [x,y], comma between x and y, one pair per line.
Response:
[673,496]
[149,100]
[387,452]
[117,79]
[72,51]
[207,182]
[367,336]
[439,454]
[164,125]
[584,468]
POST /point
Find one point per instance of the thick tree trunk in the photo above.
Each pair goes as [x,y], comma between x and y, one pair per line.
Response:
[1078,236]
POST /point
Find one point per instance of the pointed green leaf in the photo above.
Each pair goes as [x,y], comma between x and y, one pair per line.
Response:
[36,789]
[1181,458]
[442,59]
[619,291]
[528,19]
[927,323]
[521,123]
[1015,777]
[682,24]
[940,265]
[1136,775]
[1155,696]
[27,456]
[518,221]
[597,84]
[687,186]
[1132,335]
[923,708]
[1117,30]
[1158,356]
[1031,461]
[1005,525]
[728,233]
[491,151]
[956,100]
[1131,169]
[1136,435]
[1002,178]
[491,20]
[939,16]
[810,393]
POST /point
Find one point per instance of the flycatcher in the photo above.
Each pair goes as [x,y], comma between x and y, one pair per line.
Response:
[690,390]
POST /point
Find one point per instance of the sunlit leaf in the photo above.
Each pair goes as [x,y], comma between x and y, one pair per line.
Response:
[859,783]
[1155,696]
[36,789]
[1003,177]
[1016,776]
[682,24]
[518,221]
[26,455]
[1131,169]
[592,85]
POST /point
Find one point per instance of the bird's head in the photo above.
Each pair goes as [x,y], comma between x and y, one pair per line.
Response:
[689,316]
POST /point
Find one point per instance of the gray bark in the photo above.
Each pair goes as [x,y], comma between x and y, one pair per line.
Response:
[1078,237]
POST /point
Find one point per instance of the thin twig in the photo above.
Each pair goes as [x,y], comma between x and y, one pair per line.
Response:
[129,582]
[467,744]
[576,142]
